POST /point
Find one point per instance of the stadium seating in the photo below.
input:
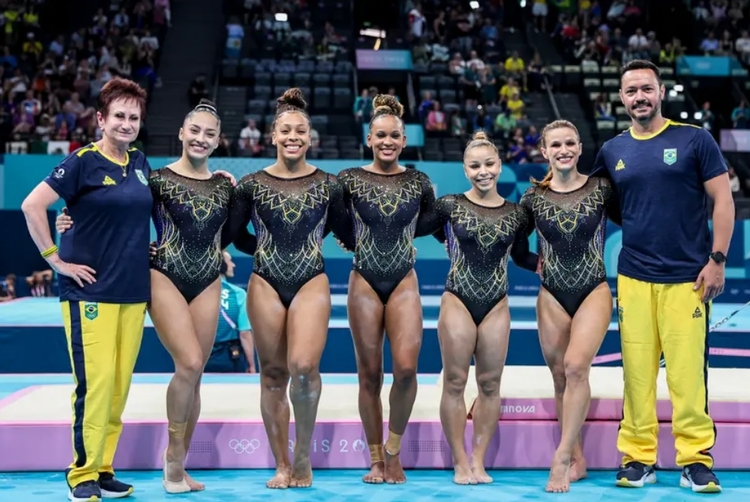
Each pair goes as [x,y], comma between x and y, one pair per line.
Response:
[312,59]
[50,98]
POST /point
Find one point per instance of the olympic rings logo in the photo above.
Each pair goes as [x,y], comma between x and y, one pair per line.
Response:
[241,446]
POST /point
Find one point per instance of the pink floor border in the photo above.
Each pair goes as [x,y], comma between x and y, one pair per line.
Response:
[341,445]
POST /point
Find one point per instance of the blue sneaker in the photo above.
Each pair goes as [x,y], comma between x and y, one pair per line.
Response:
[635,475]
[112,488]
[700,479]
[88,491]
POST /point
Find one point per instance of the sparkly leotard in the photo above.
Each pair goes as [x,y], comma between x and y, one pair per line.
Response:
[291,217]
[480,241]
[571,227]
[189,215]
[386,212]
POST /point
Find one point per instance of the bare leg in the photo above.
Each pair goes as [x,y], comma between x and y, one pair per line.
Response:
[491,351]
[458,337]
[307,331]
[554,336]
[171,316]
[204,311]
[268,318]
[403,326]
[588,329]
[366,313]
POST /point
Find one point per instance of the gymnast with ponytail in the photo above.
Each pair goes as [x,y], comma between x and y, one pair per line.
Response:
[574,306]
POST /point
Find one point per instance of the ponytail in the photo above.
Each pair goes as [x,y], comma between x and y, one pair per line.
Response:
[545,182]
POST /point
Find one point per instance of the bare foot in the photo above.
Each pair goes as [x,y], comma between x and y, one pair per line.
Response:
[174,470]
[376,474]
[480,474]
[302,476]
[463,475]
[281,479]
[193,484]
[558,476]
[577,469]
[394,473]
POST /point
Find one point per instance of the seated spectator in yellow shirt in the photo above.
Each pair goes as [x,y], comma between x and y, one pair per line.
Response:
[516,106]
[508,89]
[515,66]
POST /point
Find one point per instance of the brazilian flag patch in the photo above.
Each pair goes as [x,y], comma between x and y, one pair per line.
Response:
[91,310]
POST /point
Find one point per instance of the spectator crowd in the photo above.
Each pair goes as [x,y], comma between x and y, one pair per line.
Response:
[49,84]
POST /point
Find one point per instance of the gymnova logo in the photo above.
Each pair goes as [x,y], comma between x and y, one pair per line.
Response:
[519,408]
[240,446]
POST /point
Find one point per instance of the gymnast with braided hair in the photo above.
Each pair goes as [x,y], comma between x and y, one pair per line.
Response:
[574,306]
[293,206]
[482,231]
[386,203]
[190,211]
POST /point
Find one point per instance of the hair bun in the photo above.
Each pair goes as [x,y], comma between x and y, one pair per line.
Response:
[206,104]
[292,98]
[480,136]
[389,103]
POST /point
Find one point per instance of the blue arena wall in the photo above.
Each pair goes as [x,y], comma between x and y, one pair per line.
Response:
[20,173]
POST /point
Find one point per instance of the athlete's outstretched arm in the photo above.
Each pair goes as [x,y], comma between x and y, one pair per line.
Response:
[235,229]
[432,222]
[520,251]
[614,212]
[425,221]
[339,221]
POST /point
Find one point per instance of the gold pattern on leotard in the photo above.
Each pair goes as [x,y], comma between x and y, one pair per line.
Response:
[189,215]
[571,228]
[479,243]
[293,249]
[384,210]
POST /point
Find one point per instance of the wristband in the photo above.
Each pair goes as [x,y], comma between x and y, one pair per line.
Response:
[49,251]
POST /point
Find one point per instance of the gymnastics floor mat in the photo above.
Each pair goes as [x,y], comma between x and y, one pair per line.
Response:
[35,423]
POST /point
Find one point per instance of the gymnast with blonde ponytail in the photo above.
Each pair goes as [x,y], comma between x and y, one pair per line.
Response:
[574,307]
[482,230]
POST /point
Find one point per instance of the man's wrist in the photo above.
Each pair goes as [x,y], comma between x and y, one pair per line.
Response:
[718,257]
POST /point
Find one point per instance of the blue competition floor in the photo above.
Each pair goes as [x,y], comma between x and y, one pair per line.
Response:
[346,486]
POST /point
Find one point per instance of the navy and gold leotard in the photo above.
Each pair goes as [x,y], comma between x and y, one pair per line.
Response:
[291,217]
[386,212]
[571,227]
[480,241]
[189,215]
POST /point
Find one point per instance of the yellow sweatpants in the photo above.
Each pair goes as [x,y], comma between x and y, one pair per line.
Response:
[103,341]
[668,318]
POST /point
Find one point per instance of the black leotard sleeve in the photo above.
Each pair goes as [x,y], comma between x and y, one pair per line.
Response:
[339,221]
[612,201]
[520,252]
[426,208]
[236,231]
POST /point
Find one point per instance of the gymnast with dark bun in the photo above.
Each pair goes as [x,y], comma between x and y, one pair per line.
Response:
[482,230]
[574,306]
[293,206]
[190,211]
[386,204]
